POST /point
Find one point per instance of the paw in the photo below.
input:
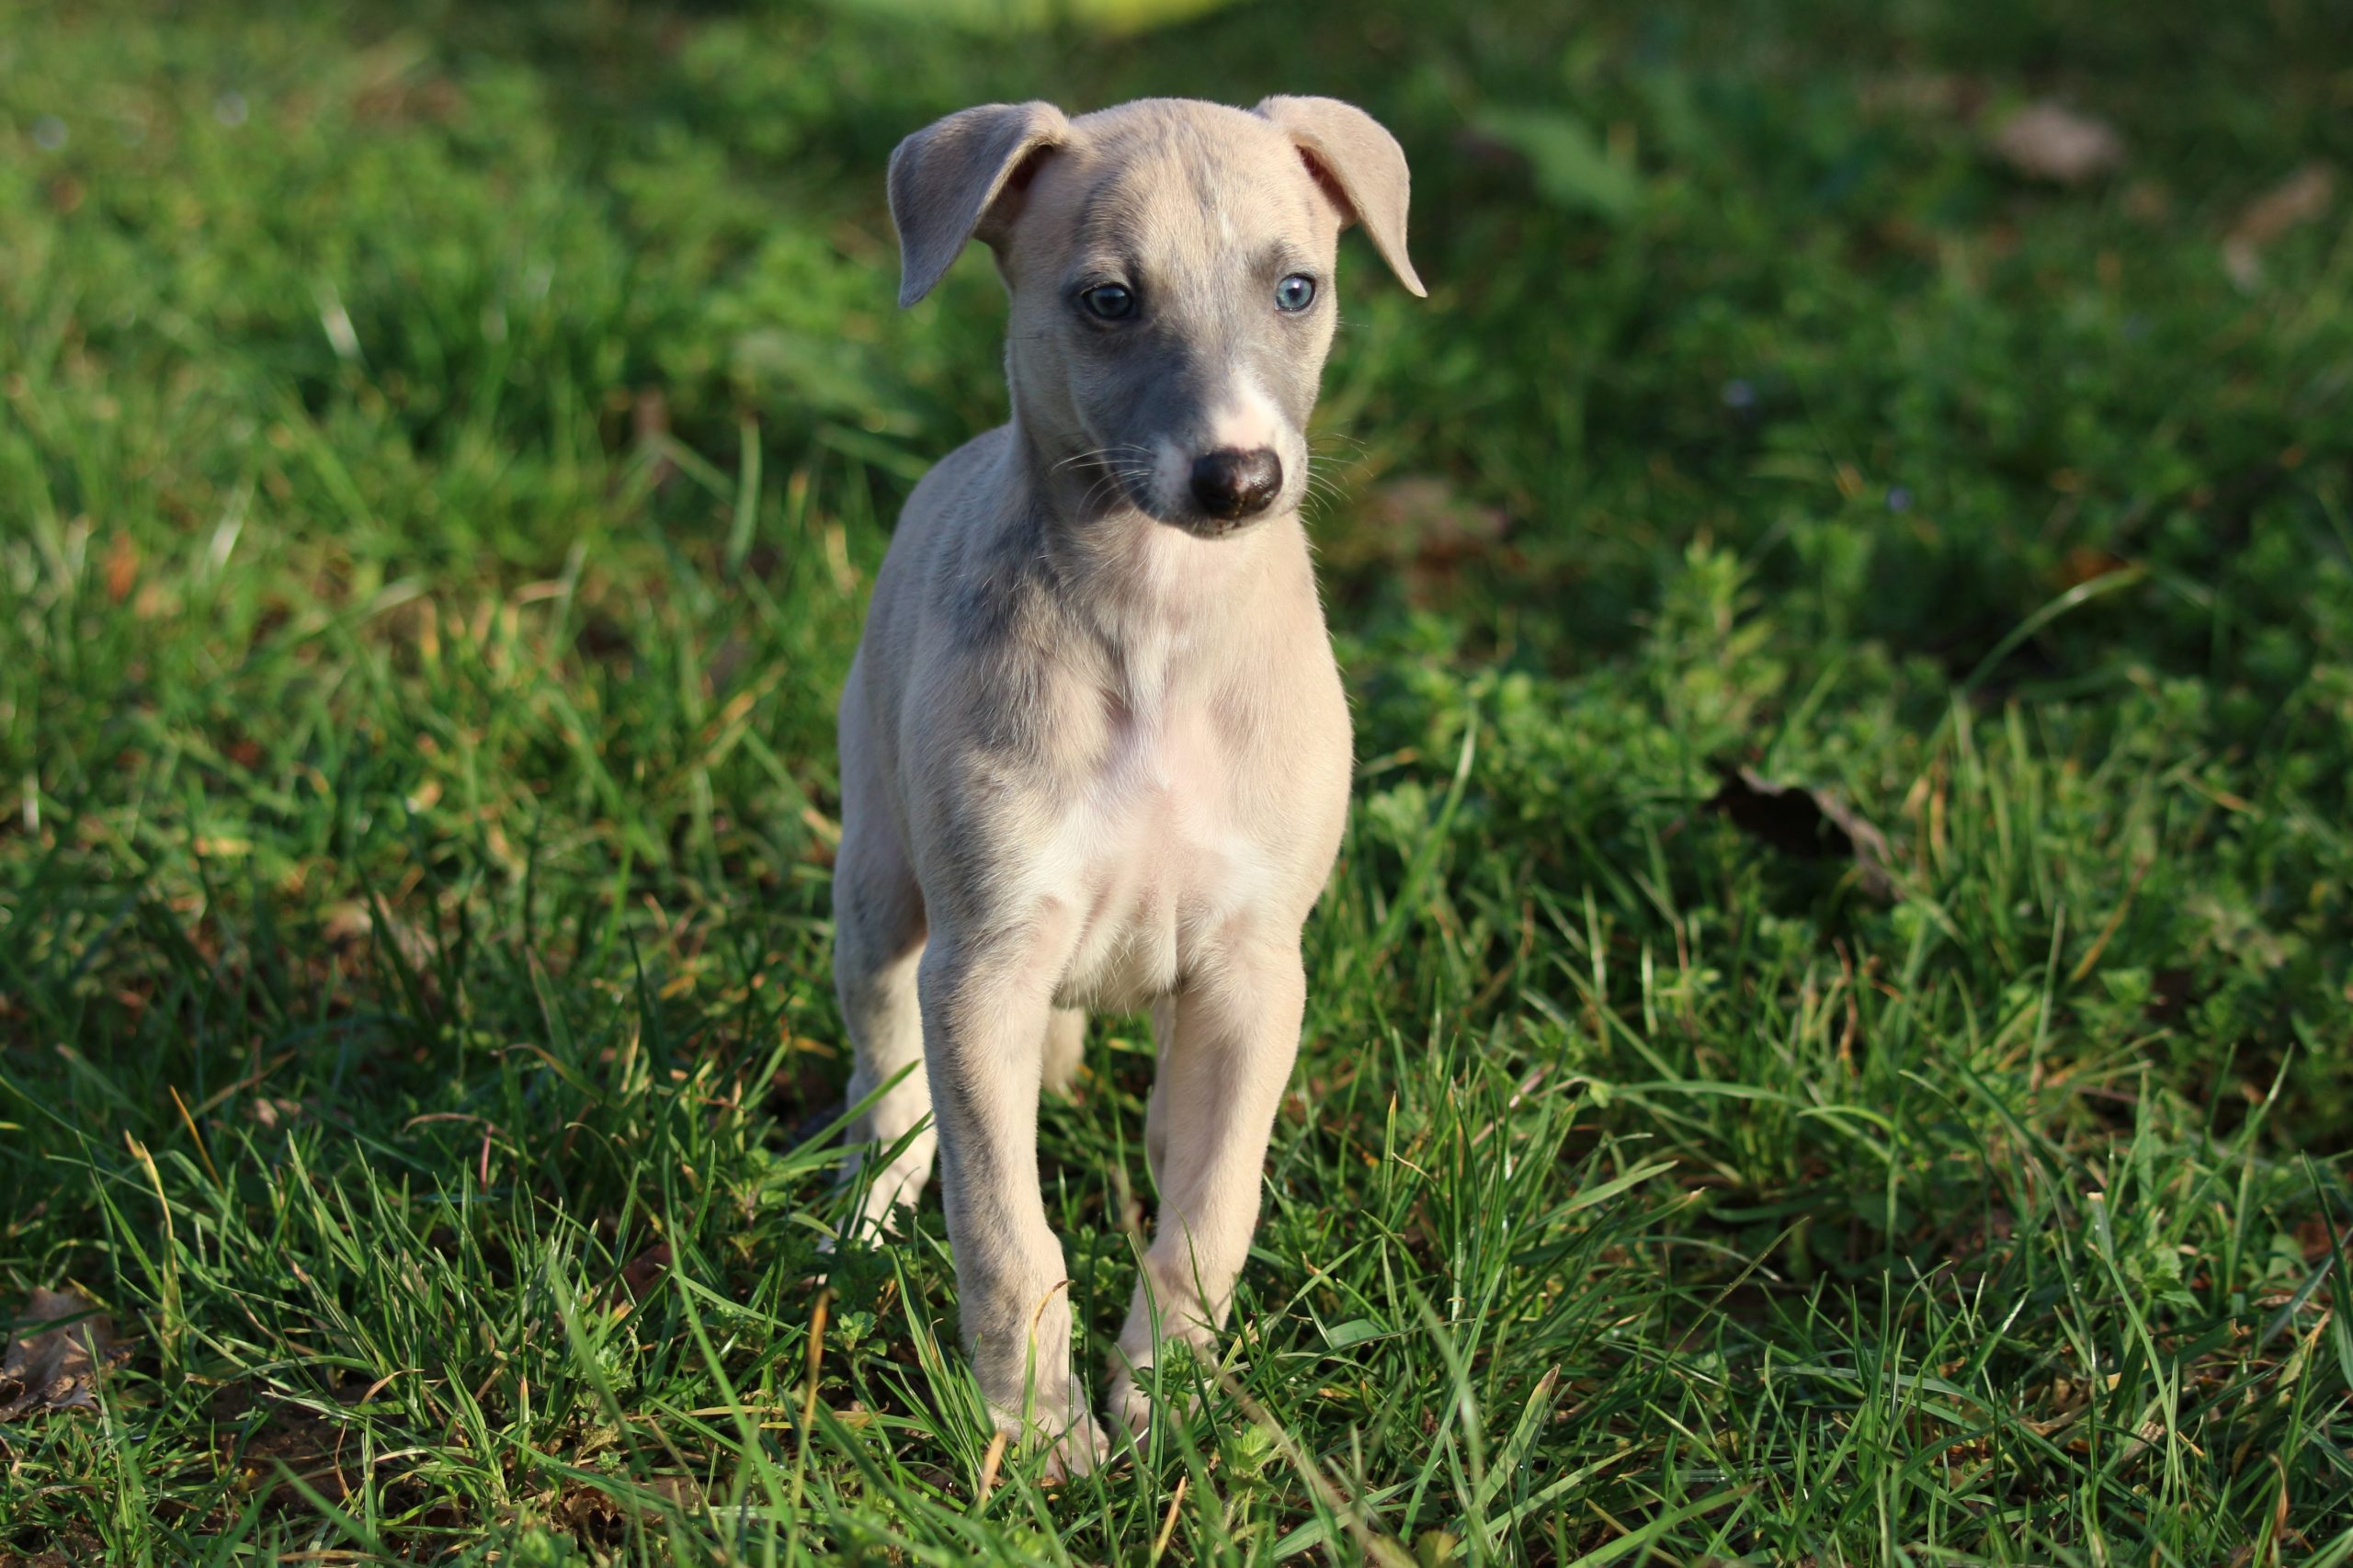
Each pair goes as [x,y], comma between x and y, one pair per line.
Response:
[895,1187]
[1075,1443]
[870,1226]
[1080,1447]
[1126,1407]
[1129,1405]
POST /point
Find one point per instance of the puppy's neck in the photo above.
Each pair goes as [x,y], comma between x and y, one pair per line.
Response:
[1150,590]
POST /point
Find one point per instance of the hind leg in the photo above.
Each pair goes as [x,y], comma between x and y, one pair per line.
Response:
[879,930]
[1065,1048]
[876,951]
[1227,1042]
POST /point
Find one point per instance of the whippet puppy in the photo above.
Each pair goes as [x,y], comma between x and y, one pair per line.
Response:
[1094,747]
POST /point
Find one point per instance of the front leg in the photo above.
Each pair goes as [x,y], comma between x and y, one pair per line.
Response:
[1228,1040]
[985,1001]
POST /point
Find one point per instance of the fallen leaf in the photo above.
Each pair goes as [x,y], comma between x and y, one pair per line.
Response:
[2300,198]
[644,1271]
[292,1445]
[602,1516]
[2049,142]
[56,1369]
[1812,822]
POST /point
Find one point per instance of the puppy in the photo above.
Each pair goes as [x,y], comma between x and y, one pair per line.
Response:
[1094,747]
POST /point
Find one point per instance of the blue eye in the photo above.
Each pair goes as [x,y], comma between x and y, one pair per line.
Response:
[1110,302]
[1295,292]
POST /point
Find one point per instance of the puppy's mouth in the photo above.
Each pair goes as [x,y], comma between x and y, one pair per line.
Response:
[1145,494]
[1201,524]
[1215,529]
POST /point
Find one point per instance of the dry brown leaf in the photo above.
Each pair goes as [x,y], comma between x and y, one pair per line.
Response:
[2299,199]
[1811,823]
[55,1369]
[2049,141]
[603,1518]
[293,1444]
[644,1271]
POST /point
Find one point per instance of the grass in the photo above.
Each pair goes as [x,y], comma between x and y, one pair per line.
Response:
[443,454]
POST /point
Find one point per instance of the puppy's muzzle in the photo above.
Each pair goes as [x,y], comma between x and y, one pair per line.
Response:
[1231,484]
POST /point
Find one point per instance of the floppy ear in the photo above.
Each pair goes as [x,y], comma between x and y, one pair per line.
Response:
[1359,166]
[946,178]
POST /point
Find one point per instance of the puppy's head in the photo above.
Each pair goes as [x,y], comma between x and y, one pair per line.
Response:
[1171,268]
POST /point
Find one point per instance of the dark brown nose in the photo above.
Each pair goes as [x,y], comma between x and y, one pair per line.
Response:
[1236,484]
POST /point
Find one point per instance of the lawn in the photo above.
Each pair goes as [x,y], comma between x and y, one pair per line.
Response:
[1830,1038]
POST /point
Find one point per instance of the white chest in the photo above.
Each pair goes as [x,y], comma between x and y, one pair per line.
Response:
[1158,853]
